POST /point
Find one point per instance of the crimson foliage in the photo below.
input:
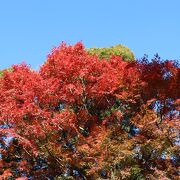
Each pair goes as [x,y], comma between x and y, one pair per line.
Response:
[80,117]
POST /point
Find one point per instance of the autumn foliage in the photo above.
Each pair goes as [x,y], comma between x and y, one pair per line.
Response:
[81,117]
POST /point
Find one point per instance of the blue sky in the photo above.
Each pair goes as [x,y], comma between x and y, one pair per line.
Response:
[29,29]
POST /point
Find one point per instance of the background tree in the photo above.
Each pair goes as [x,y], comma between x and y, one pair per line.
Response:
[84,118]
[118,50]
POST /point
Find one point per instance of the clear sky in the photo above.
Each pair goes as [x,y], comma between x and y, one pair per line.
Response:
[30,28]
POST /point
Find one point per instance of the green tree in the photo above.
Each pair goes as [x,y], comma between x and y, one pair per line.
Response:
[119,50]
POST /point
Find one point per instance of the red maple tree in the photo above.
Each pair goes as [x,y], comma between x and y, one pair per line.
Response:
[82,117]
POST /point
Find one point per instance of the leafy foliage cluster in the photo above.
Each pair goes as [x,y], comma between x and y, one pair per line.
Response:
[79,117]
[1,71]
[118,50]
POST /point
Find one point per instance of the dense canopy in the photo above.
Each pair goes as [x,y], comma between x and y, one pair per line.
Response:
[80,117]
